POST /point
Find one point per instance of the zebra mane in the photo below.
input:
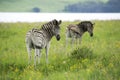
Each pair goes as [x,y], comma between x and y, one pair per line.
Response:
[51,24]
[47,25]
[48,28]
[82,26]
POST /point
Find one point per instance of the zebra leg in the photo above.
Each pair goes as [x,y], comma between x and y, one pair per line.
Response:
[36,55]
[29,53]
[66,39]
[47,51]
[39,55]
[80,40]
[72,40]
[76,42]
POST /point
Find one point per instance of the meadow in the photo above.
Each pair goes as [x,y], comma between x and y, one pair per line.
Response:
[96,58]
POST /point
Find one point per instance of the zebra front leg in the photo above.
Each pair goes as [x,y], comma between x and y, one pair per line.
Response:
[47,52]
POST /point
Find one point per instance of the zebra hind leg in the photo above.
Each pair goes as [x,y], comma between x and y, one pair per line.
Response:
[72,40]
[36,56]
[76,42]
[29,54]
[67,35]
[39,55]
[80,40]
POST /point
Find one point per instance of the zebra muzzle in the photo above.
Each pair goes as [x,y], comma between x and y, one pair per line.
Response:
[91,34]
[58,37]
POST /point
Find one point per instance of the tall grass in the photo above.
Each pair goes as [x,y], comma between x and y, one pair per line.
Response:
[97,58]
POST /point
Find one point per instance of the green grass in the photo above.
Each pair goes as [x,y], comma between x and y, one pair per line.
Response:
[97,58]
[44,5]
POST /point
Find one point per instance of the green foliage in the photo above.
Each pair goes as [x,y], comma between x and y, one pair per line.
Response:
[96,58]
[43,5]
[82,53]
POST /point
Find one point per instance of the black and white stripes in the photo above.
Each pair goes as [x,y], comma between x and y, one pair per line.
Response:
[40,38]
[77,31]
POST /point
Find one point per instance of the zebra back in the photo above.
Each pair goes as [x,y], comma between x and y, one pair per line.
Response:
[40,37]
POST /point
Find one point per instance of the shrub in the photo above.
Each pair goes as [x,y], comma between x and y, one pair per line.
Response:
[82,53]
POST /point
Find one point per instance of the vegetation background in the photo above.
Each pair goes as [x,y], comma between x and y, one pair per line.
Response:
[82,6]
[97,58]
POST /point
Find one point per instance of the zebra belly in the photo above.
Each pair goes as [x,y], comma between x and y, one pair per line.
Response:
[73,34]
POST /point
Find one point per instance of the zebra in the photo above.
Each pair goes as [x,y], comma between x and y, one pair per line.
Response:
[76,31]
[40,38]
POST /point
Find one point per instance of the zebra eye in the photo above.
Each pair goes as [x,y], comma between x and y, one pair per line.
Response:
[58,27]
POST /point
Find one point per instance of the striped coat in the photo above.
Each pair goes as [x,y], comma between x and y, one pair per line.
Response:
[39,38]
[77,31]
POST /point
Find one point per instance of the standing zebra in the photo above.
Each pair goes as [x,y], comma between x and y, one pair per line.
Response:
[39,38]
[77,31]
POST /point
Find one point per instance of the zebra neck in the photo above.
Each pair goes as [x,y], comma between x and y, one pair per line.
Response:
[82,31]
[48,32]
[47,28]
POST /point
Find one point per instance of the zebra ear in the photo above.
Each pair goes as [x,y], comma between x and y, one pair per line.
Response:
[55,22]
[93,23]
[59,22]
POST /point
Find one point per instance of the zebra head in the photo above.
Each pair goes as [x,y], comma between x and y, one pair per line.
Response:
[56,29]
[87,26]
[90,27]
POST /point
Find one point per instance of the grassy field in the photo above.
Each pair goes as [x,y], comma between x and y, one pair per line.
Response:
[97,58]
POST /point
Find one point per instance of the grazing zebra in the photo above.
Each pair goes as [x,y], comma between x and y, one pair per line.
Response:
[39,38]
[77,31]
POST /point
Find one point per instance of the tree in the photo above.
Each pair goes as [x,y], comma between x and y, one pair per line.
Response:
[36,9]
[110,6]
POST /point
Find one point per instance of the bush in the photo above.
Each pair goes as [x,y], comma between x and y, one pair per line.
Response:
[82,53]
